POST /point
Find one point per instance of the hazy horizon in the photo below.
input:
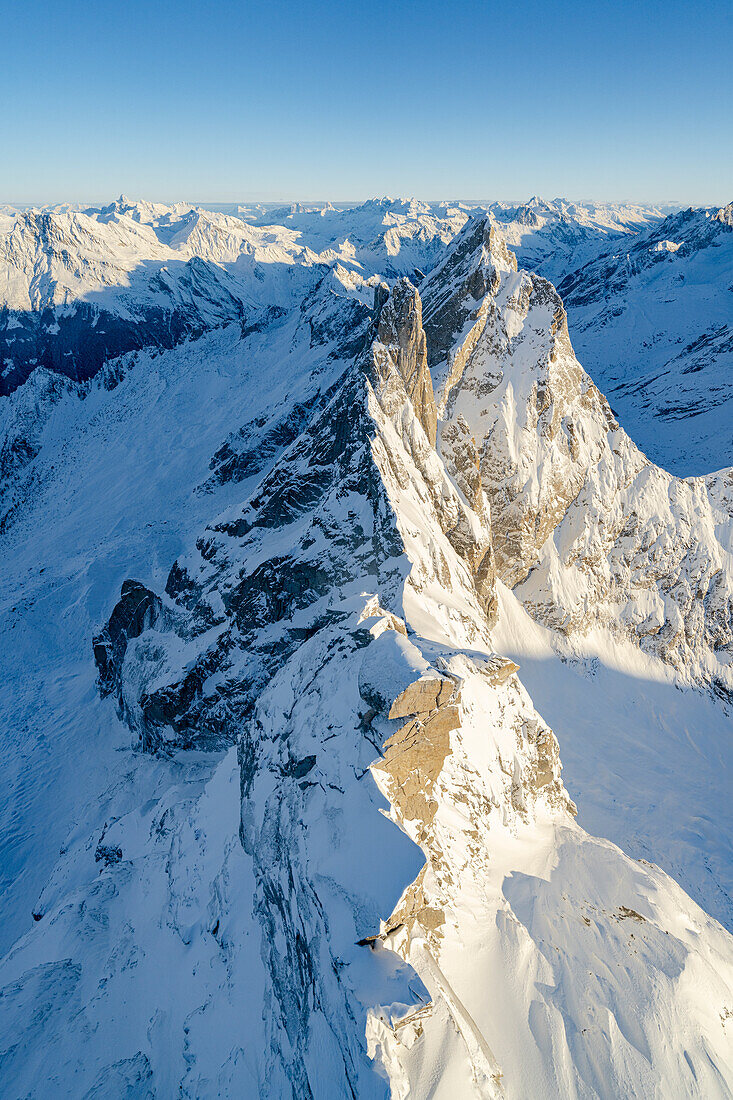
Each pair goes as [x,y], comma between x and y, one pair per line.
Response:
[285,200]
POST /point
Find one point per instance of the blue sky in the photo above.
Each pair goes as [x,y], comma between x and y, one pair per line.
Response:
[223,101]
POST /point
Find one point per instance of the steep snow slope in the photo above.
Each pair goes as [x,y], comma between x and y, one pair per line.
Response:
[650,319]
[648,760]
[112,488]
[329,612]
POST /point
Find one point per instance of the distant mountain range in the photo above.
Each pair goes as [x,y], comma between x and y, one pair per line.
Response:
[652,321]
[648,296]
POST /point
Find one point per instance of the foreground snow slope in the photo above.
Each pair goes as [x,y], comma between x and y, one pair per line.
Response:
[649,761]
[346,863]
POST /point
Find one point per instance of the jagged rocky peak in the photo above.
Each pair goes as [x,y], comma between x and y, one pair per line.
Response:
[475,260]
[399,368]
[456,289]
[400,330]
[575,506]
[386,869]
[332,506]
[725,215]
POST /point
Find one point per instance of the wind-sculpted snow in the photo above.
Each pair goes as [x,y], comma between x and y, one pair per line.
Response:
[327,850]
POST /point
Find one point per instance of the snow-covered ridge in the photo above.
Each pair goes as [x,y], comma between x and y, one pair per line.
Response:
[333,621]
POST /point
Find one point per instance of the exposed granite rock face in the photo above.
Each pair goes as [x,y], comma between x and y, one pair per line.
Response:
[458,290]
[422,697]
[585,529]
[139,609]
[400,350]
[415,753]
[399,328]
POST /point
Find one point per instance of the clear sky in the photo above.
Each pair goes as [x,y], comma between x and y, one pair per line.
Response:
[226,101]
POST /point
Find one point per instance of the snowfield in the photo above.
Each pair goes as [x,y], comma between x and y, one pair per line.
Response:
[366,723]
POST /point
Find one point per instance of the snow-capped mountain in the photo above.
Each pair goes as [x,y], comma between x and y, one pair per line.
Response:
[394,236]
[558,236]
[80,287]
[280,800]
[652,321]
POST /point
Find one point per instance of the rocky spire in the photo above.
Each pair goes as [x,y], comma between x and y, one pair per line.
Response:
[400,329]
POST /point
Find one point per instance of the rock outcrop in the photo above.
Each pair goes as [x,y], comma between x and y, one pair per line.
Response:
[400,331]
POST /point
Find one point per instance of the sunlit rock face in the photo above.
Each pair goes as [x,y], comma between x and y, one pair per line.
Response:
[585,529]
[399,329]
